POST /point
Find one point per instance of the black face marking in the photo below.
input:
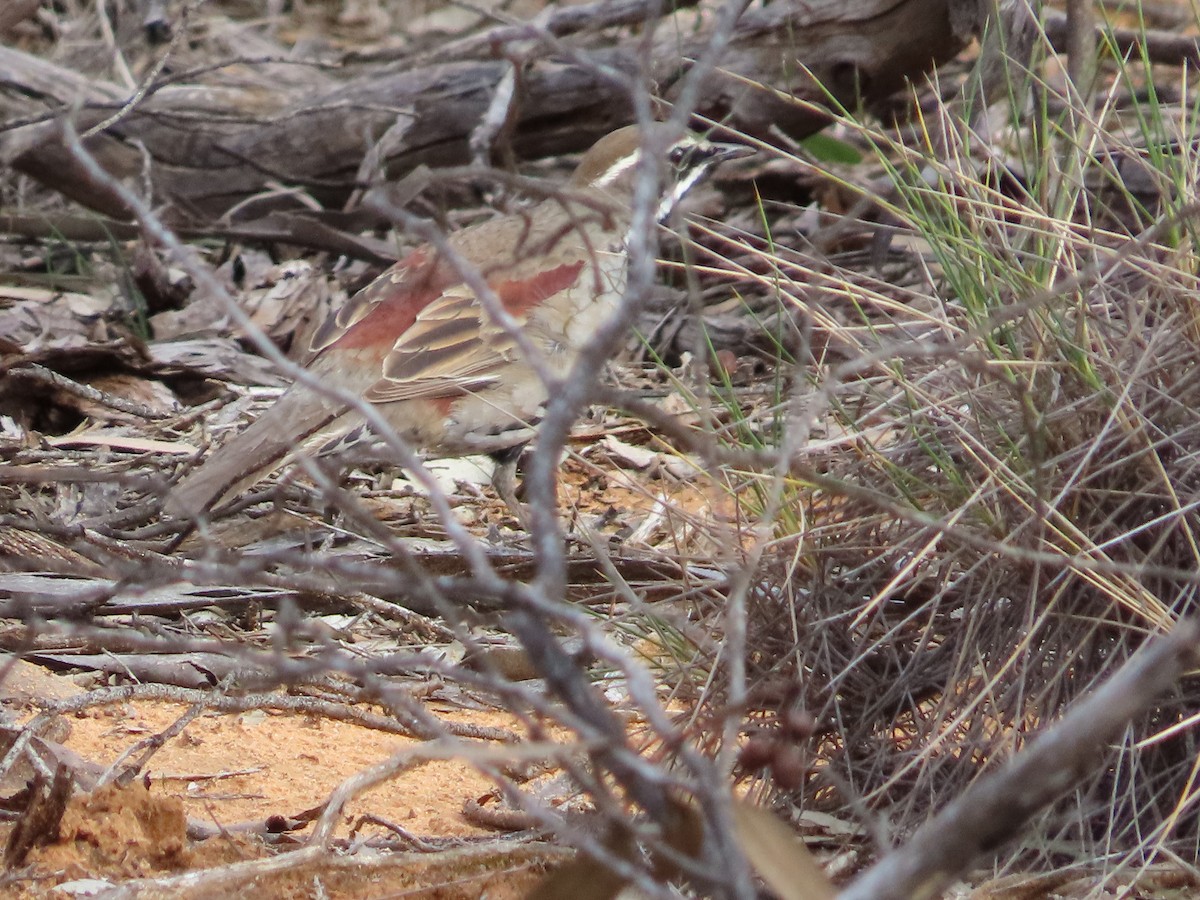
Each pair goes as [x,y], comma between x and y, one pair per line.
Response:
[686,157]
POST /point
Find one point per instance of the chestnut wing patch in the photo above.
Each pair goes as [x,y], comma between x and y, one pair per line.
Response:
[398,294]
[450,349]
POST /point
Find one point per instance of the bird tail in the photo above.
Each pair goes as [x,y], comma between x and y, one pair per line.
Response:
[246,459]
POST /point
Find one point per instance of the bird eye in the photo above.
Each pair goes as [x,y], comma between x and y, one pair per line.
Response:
[678,154]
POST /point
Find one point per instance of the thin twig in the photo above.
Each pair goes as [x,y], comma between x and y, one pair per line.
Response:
[37,372]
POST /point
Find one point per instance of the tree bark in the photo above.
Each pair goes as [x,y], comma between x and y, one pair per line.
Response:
[207,150]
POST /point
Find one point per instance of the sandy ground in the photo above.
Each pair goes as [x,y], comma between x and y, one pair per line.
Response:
[230,770]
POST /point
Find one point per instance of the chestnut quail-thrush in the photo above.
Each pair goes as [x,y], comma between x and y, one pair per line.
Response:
[418,344]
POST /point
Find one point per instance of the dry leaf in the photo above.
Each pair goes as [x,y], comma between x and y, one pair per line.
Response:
[628,454]
[116,440]
[778,855]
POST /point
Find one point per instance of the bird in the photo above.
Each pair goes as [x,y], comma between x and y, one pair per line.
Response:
[420,345]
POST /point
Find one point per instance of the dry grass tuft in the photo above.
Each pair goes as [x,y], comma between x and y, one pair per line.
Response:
[1001,501]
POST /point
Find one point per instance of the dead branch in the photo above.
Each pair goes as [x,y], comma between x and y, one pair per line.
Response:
[207,150]
[995,808]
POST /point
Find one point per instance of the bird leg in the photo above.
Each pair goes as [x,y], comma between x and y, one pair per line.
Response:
[505,484]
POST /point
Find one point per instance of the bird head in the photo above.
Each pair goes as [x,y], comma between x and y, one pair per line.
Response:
[613,163]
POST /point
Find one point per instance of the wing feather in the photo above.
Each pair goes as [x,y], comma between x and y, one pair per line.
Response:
[410,280]
[448,351]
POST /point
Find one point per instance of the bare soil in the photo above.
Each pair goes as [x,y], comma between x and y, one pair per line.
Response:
[237,770]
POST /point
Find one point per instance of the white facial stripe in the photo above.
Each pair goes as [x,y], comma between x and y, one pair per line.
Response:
[681,187]
[692,174]
[617,169]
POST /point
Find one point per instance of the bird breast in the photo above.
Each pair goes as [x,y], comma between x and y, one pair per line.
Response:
[565,324]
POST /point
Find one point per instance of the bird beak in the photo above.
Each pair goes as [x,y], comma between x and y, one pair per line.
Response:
[723,152]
